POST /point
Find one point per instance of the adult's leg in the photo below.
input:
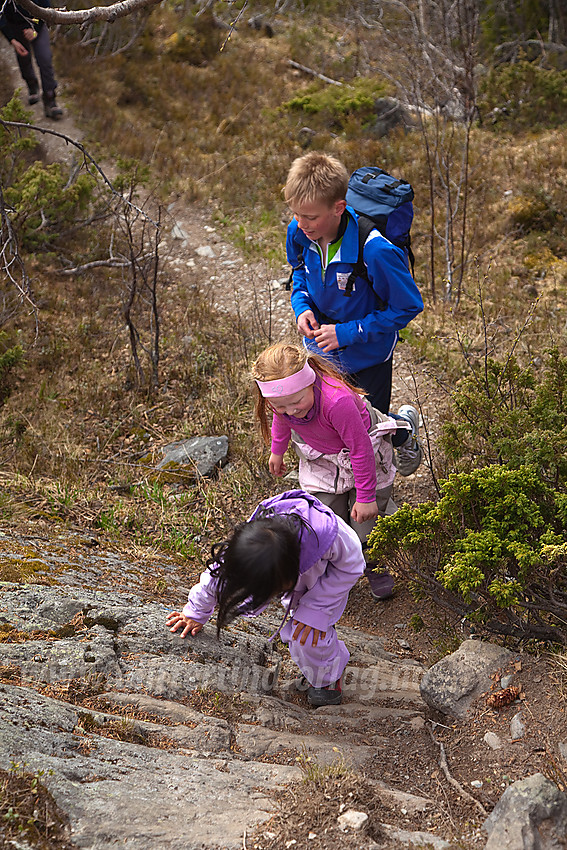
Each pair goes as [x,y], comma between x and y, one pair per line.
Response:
[42,51]
[27,70]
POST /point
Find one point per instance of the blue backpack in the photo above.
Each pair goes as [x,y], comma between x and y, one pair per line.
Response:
[382,202]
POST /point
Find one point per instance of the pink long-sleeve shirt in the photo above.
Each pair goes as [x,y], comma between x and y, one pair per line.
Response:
[338,420]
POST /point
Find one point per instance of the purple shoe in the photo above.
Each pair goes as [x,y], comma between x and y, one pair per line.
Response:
[381,583]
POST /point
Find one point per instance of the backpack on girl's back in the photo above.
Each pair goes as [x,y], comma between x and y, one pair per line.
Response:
[344,445]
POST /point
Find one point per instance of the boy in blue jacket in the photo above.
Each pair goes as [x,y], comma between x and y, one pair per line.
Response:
[357,332]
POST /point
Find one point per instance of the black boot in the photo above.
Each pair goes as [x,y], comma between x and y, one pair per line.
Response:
[33,96]
[50,106]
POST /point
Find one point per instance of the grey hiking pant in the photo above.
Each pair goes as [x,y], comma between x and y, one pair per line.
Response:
[341,504]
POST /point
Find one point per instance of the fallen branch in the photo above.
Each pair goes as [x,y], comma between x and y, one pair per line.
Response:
[313,73]
[113,262]
[451,780]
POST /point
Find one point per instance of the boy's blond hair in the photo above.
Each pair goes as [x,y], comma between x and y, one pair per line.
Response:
[282,360]
[316,178]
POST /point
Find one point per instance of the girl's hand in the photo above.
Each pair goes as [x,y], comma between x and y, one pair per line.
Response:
[307,630]
[29,33]
[276,465]
[176,620]
[363,511]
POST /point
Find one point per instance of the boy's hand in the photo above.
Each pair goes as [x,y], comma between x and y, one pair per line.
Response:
[307,324]
[363,511]
[276,465]
[176,620]
[307,630]
[29,33]
[326,337]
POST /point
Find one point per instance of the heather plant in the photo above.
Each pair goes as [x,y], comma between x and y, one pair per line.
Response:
[16,144]
[47,204]
[491,550]
[334,107]
[508,414]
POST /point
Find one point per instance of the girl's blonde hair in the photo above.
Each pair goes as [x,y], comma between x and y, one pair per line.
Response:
[282,360]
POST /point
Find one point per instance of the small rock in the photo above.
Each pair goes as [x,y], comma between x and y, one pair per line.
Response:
[353,820]
[206,251]
[177,232]
[403,643]
[517,726]
[493,741]
[505,681]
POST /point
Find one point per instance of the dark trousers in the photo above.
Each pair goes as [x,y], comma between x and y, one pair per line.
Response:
[41,49]
[376,381]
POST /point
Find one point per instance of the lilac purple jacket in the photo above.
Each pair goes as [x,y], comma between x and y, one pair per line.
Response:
[330,563]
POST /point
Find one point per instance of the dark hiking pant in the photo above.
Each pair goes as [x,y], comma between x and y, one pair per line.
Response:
[41,49]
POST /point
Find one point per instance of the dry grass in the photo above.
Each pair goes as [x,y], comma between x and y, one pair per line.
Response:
[29,813]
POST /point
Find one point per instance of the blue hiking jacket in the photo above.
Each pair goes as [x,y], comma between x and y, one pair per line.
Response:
[366,334]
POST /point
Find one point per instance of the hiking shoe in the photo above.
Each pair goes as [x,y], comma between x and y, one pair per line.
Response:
[381,583]
[50,106]
[410,454]
[33,96]
[329,695]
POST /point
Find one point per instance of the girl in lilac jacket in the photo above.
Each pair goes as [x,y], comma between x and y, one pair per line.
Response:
[295,548]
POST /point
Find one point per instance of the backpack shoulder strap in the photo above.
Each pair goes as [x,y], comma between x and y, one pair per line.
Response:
[365,227]
[300,265]
[411,257]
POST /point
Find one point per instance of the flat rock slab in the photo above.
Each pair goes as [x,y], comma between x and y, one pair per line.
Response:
[119,794]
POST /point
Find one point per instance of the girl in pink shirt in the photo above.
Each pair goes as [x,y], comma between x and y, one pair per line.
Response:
[344,445]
